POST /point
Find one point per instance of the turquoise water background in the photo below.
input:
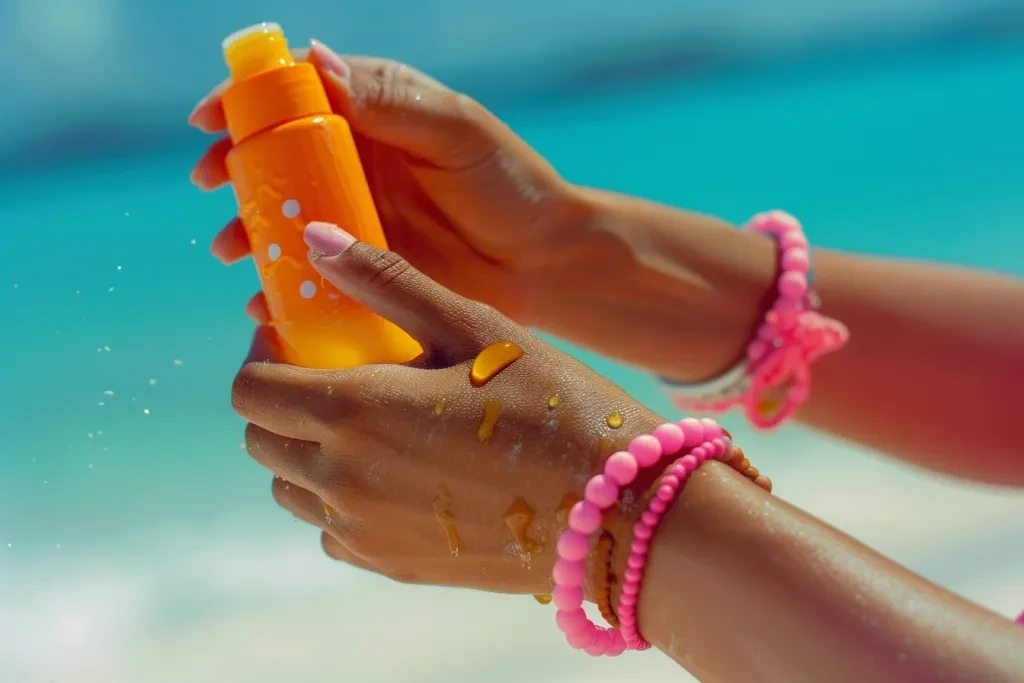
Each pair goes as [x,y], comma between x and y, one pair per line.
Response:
[139,544]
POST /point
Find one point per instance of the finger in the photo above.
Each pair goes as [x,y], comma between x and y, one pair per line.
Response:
[208,114]
[232,242]
[337,551]
[257,309]
[384,282]
[299,403]
[293,460]
[397,105]
[310,508]
[211,171]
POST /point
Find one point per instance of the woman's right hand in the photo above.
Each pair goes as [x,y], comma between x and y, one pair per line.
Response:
[461,196]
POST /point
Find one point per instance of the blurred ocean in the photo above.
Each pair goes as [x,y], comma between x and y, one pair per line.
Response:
[138,543]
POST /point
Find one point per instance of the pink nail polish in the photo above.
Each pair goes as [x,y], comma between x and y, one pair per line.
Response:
[328,239]
[329,59]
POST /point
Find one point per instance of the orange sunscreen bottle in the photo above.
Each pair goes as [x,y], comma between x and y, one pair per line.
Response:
[295,161]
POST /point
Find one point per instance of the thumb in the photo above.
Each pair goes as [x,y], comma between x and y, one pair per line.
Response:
[440,320]
[397,105]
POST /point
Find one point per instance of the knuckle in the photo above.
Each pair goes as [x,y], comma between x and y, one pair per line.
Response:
[243,383]
[351,502]
[252,438]
[281,491]
[387,266]
[391,91]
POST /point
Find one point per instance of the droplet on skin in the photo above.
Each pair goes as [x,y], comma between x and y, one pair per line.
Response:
[493,360]
[492,409]
[307,289]
[553,402]
[443,515]
[614,420]
[542,598]
[440,406]
[519,517]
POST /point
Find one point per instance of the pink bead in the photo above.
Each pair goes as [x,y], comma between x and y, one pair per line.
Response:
[670,436]
[727,442]
[571,620]
[798,393]
[627,600]
[646,449]
[700,453]
[712,430]
[792,239]
[650,518]
[796,260]
[568,573]
[567,597]
[602,643]
[628,619]
[690,462]
[756,349]
[657,505]
[793,285]
[584,517]
[669,480]
[601,491]
[633,575]
[693,432]
[635,561]
[573,546]
[666,493]
[630,589]
[583,639]
[642,531]
[621,467]
[717,448]
[618,644]
[767,332]
[639,546]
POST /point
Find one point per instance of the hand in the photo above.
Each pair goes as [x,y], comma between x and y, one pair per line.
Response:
[460,196]
[410,470]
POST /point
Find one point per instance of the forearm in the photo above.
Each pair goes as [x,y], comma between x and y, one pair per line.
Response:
[742,587]
[933,373]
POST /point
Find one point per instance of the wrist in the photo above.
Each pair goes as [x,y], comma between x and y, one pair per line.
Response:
[669,277]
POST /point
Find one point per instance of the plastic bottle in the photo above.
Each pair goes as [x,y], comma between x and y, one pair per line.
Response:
[294,161]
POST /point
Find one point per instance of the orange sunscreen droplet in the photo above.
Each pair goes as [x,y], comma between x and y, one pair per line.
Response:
[542,598]
[440,406]
[492,409]
[614,420]
[493,360]
[444,517]
[565,507]
[519,517]
[553,402]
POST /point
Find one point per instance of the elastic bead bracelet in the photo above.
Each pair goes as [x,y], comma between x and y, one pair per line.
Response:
[774,377]
[585,518]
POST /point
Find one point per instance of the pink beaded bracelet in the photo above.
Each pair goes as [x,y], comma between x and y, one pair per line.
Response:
[704,439]
[774,378]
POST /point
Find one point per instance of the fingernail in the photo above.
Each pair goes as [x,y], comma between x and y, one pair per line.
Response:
[327,239]
[329,60]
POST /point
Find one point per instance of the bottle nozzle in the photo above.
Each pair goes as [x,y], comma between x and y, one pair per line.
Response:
[255,50]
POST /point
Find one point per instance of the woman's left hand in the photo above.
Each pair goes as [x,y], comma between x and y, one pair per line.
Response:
[411,470]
